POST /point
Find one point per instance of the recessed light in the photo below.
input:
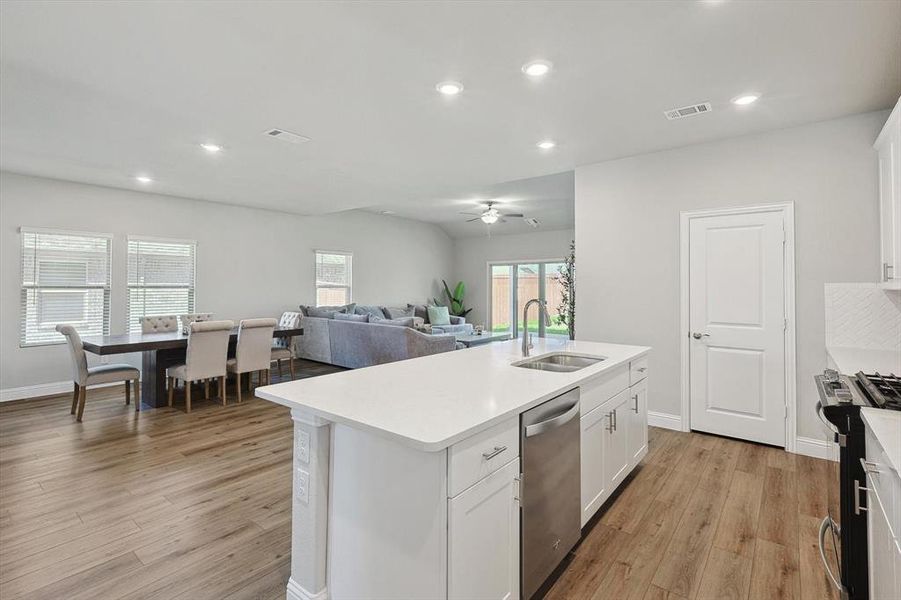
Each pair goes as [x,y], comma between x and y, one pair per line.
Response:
[745,100]
[143,179]
[449,88]
[211,148]
[547,144]
[537,68]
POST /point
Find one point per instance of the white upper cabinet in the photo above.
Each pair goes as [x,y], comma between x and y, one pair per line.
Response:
[888,145]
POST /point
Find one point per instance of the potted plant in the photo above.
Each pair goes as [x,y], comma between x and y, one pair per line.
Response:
[566,275]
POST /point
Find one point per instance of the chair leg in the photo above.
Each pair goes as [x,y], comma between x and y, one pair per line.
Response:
[188,396]
[222,389]
[281,373]
[74,400]
[137,384]
[82,396]
[291,366]
[238,386]
[206,389]
[127,393]
[171,389]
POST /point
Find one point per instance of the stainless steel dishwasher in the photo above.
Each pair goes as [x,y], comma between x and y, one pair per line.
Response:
[549,439]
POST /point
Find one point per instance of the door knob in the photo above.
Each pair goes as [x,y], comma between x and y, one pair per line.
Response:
[698,336]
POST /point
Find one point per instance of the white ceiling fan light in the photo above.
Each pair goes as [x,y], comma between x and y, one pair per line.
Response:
[490,216]
[537,68]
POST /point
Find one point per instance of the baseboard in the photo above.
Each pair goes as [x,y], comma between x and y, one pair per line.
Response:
[667,421]
[43,389]
[812,447]
[296,592]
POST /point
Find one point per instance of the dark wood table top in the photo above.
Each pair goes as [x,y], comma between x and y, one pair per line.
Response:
[142,342]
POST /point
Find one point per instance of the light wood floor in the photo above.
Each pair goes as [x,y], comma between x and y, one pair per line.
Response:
[165,505]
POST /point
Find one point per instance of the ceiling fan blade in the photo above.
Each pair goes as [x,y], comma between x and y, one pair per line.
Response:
[472,214]
[476,219]
[514,215]
[501,220]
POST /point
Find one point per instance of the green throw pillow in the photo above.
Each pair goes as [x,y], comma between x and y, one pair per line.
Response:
[438,315]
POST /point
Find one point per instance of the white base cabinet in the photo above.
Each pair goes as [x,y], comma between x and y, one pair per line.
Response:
[614,434]
[883,522]
[483,538]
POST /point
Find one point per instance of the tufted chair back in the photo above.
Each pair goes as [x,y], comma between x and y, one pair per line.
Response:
[287,320]
[254,351]
[188,318]
[76,351]
[207,349]
[159,324]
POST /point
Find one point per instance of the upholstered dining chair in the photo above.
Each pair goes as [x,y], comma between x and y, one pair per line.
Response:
[159,323]
[283,347]
[254,351]
[205,359]
[85,375]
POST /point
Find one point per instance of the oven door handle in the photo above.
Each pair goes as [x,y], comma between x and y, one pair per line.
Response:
[840,437]
[824,527]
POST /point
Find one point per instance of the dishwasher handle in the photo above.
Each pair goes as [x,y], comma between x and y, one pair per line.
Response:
[553,422]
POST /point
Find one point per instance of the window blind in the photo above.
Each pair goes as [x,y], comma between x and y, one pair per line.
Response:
[333,278]
[65,279]
[160,279]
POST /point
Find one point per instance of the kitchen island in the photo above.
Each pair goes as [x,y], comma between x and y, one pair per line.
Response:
[406,475]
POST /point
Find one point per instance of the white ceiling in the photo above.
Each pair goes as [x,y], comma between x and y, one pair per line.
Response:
[100,91]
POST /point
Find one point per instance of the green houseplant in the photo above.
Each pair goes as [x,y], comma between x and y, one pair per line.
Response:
[454,300]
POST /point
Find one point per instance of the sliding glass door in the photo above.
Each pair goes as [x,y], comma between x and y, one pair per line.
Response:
[513,285]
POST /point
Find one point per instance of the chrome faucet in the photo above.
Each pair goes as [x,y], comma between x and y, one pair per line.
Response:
[526,336]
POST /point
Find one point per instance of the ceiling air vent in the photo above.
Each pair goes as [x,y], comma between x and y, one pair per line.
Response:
[688,111]
[287,136]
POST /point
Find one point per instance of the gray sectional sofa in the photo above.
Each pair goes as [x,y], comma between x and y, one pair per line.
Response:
[336,340]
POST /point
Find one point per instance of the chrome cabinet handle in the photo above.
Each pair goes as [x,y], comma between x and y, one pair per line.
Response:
[887,271]
[491,454]
[635,397]
[641,369]
[615,423]
[610,422]
[825,525]
[698,336]
[857,489]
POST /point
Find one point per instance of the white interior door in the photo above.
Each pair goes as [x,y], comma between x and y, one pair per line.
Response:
[737,326]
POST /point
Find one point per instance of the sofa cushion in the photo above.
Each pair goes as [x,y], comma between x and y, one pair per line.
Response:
[320,313]
[420,310]
[347,317]
[397,312]
[364,309]
[401,322]
[347,308]
[438,315]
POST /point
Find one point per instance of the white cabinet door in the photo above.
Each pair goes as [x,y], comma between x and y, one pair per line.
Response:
[638,422]
[594,491]
[888,145]
[616,442]
[885,582]
[483,538]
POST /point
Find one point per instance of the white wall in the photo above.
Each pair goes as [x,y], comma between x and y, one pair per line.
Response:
[627,235]
[250,262]
[472,255]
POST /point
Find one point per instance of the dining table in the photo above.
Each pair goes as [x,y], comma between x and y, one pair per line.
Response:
[160,351]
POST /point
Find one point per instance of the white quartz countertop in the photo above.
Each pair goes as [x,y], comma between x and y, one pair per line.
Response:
[851,360]
[886,426]
[432,402]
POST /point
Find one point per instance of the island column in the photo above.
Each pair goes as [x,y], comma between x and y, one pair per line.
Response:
[309,522]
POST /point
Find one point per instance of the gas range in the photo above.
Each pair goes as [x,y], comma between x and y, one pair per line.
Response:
[845,525]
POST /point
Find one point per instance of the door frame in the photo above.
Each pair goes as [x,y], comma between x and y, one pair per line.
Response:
[788,258]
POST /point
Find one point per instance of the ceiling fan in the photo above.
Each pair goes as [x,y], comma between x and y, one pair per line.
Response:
[490,215]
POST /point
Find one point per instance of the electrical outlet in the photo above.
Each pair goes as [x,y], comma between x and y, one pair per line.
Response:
[302,493]
[303,447]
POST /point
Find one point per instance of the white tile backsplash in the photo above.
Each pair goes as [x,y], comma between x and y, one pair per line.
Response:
[860,315]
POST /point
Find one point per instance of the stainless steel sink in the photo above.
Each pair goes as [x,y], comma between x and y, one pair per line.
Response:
[560,362]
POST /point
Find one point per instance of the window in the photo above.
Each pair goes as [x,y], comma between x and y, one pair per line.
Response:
[333,278]
[65,279]
[160,278]
[514,284]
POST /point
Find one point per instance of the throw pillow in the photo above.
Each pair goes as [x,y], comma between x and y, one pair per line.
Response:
[438,315]
[321,313]
[396,312]
[346,317]
[402,322]
[363,309]
[347,308]
[420,310]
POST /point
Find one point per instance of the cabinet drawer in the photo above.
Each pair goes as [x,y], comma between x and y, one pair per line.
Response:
[885,483]
[595,392]
[638,370]
[480,455]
